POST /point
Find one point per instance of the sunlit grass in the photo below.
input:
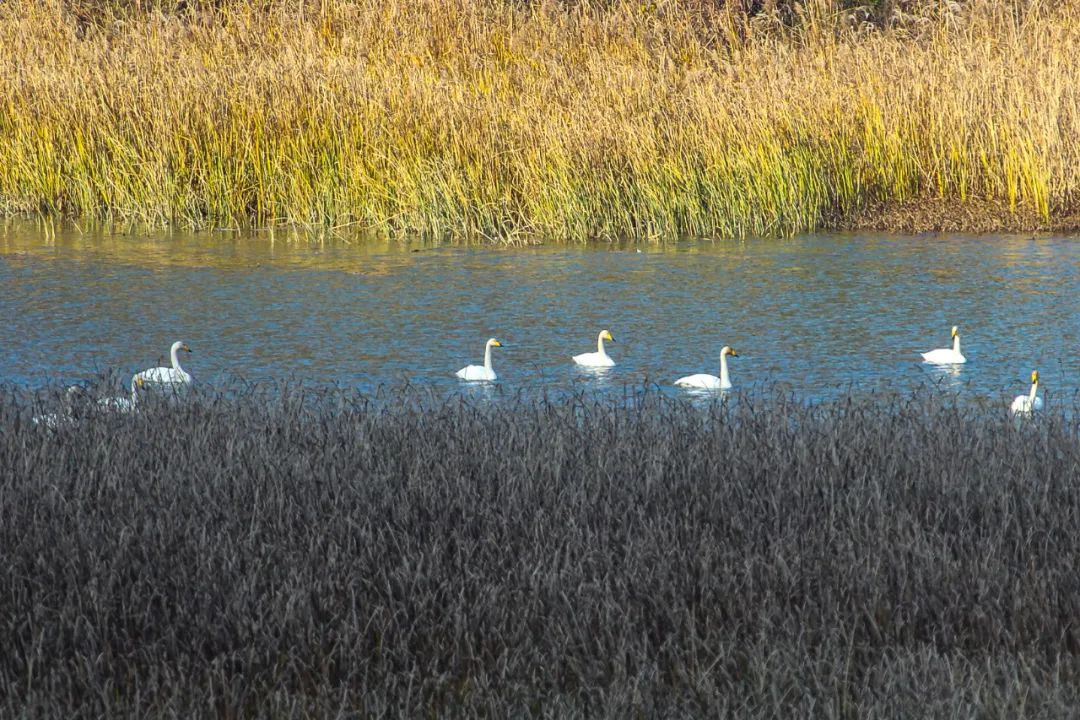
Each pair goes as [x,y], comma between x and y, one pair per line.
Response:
[515,120]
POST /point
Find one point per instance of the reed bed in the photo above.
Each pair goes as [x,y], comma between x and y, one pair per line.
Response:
[518,120]
[290,552]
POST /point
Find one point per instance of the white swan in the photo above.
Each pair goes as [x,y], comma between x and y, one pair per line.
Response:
[123,404]
[481,372]
[54,420]
[108,404]
[598,358]
[711,382]
[945,356]
[1025,404]
[173,378]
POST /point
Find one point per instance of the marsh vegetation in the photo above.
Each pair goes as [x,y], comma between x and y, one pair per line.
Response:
[289,551]
[557,120]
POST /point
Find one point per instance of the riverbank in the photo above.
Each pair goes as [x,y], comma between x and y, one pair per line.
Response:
[517,121]
[322,553]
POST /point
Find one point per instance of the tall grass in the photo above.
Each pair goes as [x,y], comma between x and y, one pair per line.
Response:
[561,120]
[328,554]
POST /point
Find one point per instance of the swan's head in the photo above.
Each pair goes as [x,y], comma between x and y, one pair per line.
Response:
[178,345]
[1034,377]
[728,350]
[606,335]
[955,331]
[494,343]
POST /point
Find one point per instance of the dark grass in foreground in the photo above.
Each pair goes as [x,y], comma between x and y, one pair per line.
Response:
[642,557]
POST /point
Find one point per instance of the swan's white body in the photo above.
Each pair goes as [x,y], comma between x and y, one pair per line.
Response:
[1026,404]
[172,378]
[703,381]
[54,420]
[947,356]
[108,404]
[51,420]
[117,404]
[124,404]
[481,372]
[600,358]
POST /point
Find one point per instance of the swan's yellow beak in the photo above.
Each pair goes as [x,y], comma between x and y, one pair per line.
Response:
[955,332]
[1034,376]
[732,353]
[139,381]
[608,336]
[185,348]
[496,344]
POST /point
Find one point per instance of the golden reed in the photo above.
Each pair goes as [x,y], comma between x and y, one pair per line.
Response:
[515,120]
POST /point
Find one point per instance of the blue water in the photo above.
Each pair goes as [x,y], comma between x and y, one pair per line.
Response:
[816,315]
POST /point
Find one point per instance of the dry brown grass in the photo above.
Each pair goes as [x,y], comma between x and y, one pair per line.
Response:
[516,120]
[285,551]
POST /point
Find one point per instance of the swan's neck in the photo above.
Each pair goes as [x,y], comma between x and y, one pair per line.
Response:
[176,359]
[724,379]
[487,356]
[956,344]
[134,392]
[600,344]
[1034,389]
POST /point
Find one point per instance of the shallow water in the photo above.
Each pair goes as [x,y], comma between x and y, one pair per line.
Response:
[817,314]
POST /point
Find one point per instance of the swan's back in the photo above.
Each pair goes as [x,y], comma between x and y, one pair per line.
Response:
[1023,405]
[164,376]
[944,356]
[51,420]
[117,404]
[476,372]
[594,359]
[702,381]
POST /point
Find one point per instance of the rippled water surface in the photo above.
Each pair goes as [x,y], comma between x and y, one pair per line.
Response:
[816,315]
